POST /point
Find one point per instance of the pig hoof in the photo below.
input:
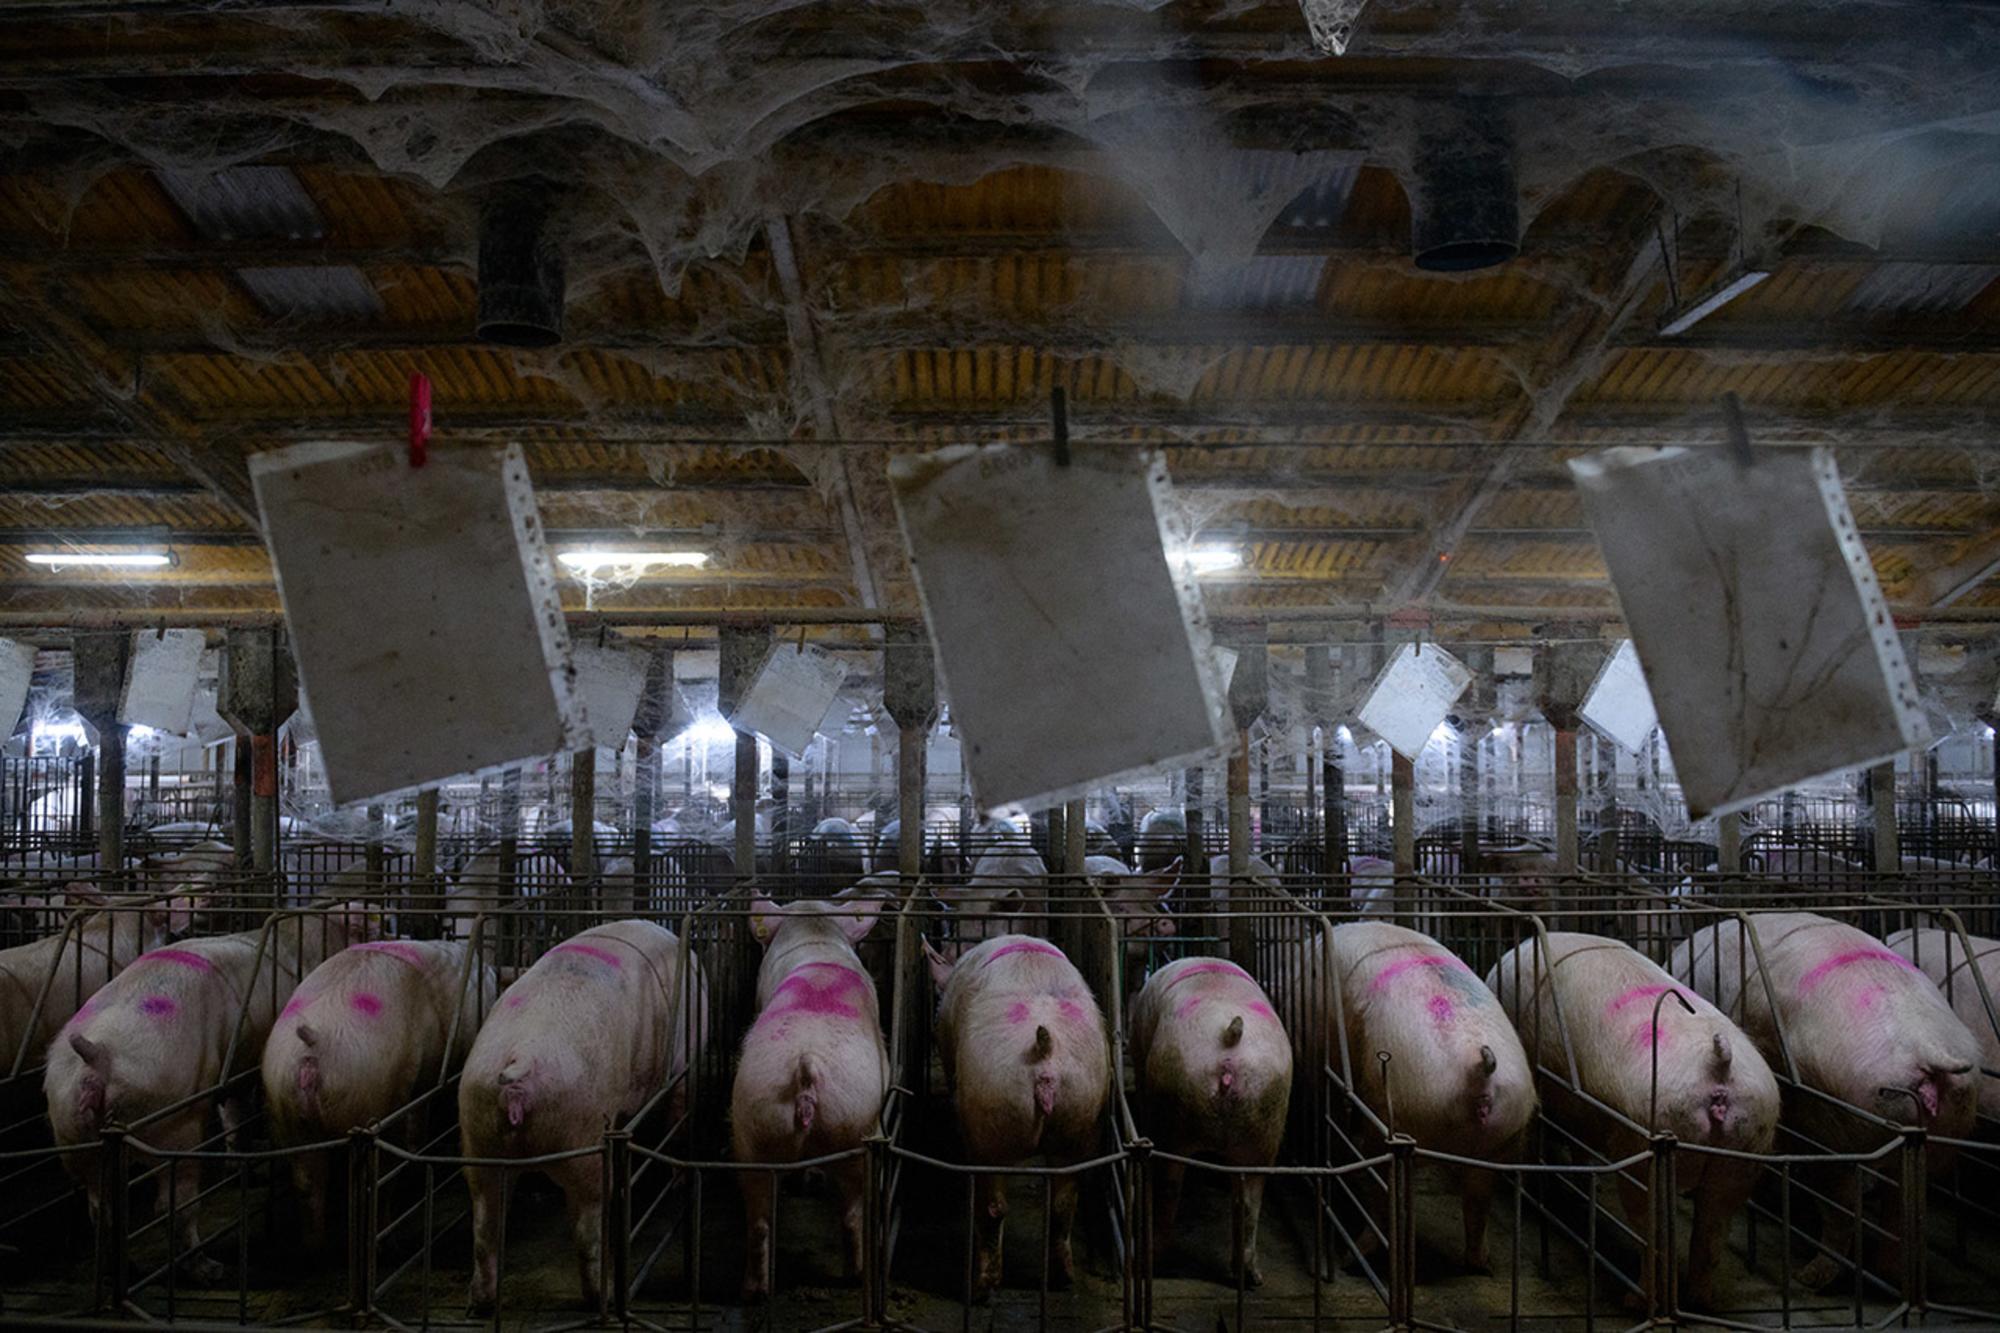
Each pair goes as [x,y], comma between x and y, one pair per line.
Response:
[1253,1276]
[1820,1273]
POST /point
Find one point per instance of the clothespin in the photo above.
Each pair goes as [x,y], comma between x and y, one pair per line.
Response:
[1739,435]
[802,639]
[420,418]
[1059,422]
[603,633]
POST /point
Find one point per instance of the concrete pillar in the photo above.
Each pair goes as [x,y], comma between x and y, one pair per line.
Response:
[1249,692]
[1194,858]
[424,888]
[1729,833]
[1403,811]
[1607,822]
[372,853]
[240,804]
[743,649]
[1322,685]
[909,696]
[1076,839]
[583,815]
[510,828]
[100,661]
[655,716]
[1565,669]
[259,690]
[1882,791]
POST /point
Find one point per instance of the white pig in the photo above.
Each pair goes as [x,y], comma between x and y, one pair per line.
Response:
[1024,1046]
[1713,1088]
[583,1039]
[72,964]
[365,1032]
[813,1071]
[1458,1080]
[1942,956]
[1864,1026]
[160,1032]
[1215,1076]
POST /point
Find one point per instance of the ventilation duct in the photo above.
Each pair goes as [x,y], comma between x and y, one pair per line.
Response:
[1465,212]
[520,268]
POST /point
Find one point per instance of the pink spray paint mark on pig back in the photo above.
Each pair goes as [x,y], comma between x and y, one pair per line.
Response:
[1849,959]
[825,990]
[1638,993]
[1017,1012]
[408,953]
[1202,969]
[293,1005]
[1396,969]
[590,951]
[1023,946]
[1441,1010]
[158,1006]
[365,1004]
[180,956]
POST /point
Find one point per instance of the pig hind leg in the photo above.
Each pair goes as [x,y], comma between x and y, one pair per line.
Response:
[179,1191]
[758,1189]
[1249,1208]
[489,1232]
[990,1221]
[1061,1224]
[582,1181]
[1837,1234]
[1477,1196]
[850,1181]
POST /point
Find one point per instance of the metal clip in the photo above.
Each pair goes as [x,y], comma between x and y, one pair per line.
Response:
[420,418]
[1059,422]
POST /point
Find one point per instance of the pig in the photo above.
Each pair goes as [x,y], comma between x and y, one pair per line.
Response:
[161,1031]
[1140,903]
[1004,895]
[1162,839]
[585,1037]
[1864,1025]
[840,852]
[814,1070]
[1372,887]
[1024,1047]
[1215,1077]
[1458,1079]
[365,1032]
[1713,1087]
[1941,954]
[72,964]
[480,886]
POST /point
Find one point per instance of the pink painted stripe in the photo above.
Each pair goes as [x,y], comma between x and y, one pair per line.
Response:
[181,956]
[1023,946]
[1221,968]
[590,951]
[1434,960]
[1638,993]
[408,953]
[1849,959]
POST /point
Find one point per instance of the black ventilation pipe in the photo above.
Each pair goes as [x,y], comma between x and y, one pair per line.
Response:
[1465,211]
[520,268]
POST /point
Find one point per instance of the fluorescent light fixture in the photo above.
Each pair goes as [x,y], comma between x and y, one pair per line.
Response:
[53,734]
[105,559]
[1345,736]
[711,730]
[590,560]
[1716,299]
[1211,559]
[1442,732]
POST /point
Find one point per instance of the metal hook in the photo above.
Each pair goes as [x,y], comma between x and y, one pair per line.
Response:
[1388,1093]
[1059,421]
[1653,1107]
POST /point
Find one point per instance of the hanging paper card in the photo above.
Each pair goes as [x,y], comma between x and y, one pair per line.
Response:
[793,692]
[1619,704]
[1073,651]
[160,681]
[1771,655]
[423,611]
[1413,694]
[17,671]
[610,680]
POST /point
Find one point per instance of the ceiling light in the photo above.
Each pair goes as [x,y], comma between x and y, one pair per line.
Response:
[1714,301]
[590,560]
[108,559]
[1211,559]
[711,730]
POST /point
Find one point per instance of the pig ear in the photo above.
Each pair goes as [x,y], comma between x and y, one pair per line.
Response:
[764,919]
[83,895]
[939,964]
[362,921]
[857,920]
[174,916]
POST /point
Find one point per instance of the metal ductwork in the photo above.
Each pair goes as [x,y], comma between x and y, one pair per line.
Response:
[1465,209]
[521,281]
